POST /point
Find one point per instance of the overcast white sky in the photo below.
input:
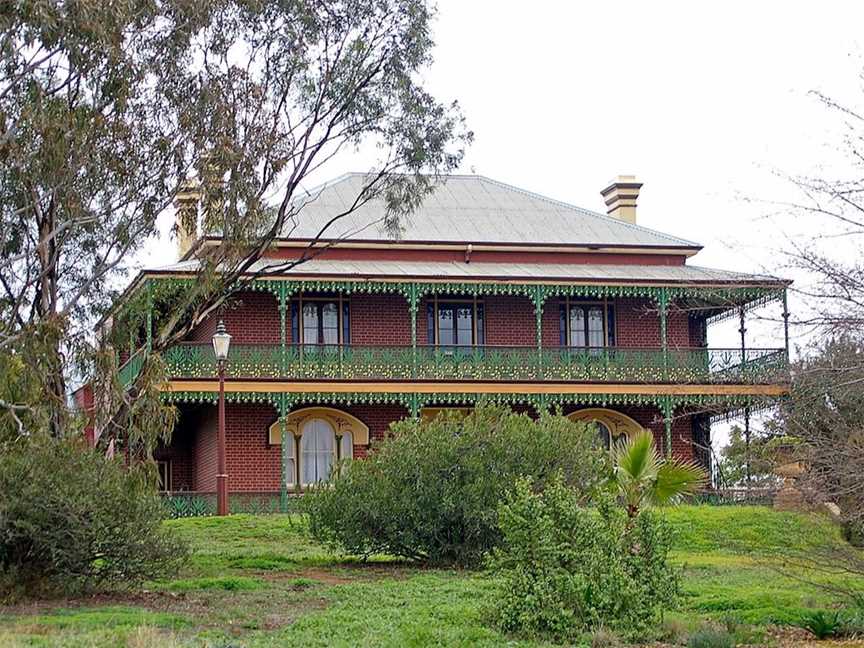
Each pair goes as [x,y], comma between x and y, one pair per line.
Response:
[702,102]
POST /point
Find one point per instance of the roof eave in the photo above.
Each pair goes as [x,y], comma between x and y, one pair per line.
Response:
[394,278]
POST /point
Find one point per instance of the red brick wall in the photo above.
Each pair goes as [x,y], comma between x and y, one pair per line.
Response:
[250,318]
[253,464]
[551,333]
[253,318]
[484,256]
[181,453]
[510,321]
[382,319]
[637,324]
[205,452]
[378,418]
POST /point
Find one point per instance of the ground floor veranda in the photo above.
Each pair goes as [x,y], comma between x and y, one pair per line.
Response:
[323,429]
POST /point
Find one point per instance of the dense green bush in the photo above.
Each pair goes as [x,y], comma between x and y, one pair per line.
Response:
[431,491]
[564,569]
[71,520]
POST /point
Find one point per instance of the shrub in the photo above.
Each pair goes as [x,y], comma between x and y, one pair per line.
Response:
[711,638]
[431,490]
[565,569]
[72,520]
[822,624]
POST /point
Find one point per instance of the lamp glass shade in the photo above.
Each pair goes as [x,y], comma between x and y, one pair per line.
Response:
[221,342]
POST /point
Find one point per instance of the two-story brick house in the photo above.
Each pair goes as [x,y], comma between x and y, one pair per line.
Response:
[490,293]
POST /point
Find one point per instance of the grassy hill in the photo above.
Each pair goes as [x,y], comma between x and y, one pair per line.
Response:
[259,581]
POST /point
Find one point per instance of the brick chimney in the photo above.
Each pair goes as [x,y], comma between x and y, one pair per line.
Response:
[620,197]
[186,209]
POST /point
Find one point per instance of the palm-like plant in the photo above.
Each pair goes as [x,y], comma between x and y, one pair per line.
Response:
[644,478]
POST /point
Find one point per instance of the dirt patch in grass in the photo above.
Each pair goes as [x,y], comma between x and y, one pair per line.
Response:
[343,574]
[178,602]
[788,636]
[202,609]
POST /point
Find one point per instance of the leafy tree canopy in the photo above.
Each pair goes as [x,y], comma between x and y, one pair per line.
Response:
[106,109]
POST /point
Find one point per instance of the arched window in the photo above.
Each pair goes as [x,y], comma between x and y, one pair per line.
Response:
[317,447]
[604,434]
[347,449]
[611,426]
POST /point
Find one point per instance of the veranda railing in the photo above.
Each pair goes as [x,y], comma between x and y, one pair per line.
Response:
[478,363]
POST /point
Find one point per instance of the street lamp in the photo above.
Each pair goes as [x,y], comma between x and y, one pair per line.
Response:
[221,343]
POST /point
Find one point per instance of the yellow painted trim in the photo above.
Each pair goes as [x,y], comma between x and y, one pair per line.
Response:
[341,422]
[617,423]
[281,387]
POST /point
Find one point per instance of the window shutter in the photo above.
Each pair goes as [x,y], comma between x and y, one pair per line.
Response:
[610,323]
[346,322]
[481,327]
[562,324]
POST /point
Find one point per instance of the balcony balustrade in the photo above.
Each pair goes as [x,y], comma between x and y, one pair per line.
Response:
[477,363]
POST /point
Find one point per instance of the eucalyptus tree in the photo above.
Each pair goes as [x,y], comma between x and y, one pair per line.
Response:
[105,110]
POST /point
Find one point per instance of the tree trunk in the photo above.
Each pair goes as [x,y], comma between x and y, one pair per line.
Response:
[54,381]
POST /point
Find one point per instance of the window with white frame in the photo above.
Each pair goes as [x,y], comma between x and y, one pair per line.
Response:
[317,449]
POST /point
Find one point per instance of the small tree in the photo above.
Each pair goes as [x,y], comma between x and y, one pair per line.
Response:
[72,520]
[431,490]
[750,466]
[825,415]
[564,568]
[642,478]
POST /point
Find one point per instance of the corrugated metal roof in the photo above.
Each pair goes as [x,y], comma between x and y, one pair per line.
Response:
[458,271]
[469,209]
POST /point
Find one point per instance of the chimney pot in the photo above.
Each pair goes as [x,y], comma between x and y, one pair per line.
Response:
[620,197]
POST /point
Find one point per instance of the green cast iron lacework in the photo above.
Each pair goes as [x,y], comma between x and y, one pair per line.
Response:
[283,402]
[181,504]
[160,291]
[131,368]
[608,364]
[414,290]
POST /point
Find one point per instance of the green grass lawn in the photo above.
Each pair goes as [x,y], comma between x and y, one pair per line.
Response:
[260,581]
